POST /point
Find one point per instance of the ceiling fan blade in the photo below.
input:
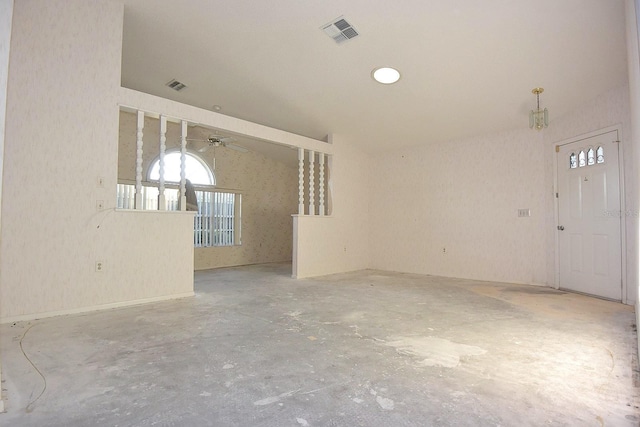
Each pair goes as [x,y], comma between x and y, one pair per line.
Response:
[237,148]
[219,138]
[200,145]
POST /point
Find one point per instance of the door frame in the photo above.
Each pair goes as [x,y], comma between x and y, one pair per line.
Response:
[621,187]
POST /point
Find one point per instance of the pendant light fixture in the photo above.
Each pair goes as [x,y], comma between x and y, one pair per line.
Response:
[538,118]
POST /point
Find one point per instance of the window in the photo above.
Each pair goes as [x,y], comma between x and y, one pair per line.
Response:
[217,222]
[590,158]
[216,225]
[196,170]
[582,160]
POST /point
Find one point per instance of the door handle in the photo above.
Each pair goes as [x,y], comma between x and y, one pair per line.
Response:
[561,227]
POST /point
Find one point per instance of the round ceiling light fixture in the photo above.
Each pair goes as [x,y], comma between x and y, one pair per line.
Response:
[386,75]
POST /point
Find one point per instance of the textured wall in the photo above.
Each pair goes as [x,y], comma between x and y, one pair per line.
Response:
[6,15]
[341,242]
[607,109]
[268,188]
[61,135]
[451,209]
[462,196]
[632,9]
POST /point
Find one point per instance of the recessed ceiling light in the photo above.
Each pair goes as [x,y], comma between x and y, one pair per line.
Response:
[386,75]
[217,107]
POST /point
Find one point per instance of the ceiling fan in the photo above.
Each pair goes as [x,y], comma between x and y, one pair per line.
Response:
[218,141]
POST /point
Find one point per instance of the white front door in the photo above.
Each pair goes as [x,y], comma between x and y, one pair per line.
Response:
[589,241]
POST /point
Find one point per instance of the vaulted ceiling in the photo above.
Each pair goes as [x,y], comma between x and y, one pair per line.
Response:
[467,66]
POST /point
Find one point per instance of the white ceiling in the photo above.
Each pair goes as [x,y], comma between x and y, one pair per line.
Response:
[468,66]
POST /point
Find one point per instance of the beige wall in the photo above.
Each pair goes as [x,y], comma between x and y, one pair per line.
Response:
[268,188]
[605,110]
[633,61]
[462,196]
[340,242]
[450,209]
[6,15]
[61,135]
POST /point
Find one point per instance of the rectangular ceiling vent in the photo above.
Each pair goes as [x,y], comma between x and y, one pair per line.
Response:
[339,30]
[176,85]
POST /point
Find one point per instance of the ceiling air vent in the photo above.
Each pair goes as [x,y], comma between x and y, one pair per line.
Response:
[176,85]
[339,30]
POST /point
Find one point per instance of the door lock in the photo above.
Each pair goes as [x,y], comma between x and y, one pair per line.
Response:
[561,227]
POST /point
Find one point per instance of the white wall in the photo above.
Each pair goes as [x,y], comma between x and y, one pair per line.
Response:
[462,196]
[61,135]
[632,8]
[450,209]
[6,15]
[605,110]
[339,243]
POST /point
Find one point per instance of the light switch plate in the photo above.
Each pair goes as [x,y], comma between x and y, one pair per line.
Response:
[524,213]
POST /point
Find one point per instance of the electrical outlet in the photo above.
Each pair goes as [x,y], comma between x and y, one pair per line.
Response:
[99,266]
[99,205]
[444,250]
[100,182]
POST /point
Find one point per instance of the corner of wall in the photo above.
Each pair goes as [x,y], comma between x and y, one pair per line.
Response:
[339,242]
[632,28]
[6,19]
[51,240]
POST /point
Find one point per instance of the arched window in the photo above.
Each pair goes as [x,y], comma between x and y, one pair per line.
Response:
[582,159]
[591,157]
[218,220]
[196,170]
[573,161]
[600,155]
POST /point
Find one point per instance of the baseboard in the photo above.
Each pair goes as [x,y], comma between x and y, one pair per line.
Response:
[215,267]
[81,310]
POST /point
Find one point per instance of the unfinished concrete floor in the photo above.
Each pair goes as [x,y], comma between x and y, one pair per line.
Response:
[256,348]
